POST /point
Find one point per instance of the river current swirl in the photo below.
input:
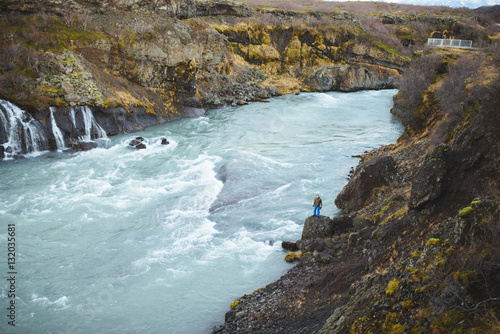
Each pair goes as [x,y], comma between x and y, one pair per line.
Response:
[162,240]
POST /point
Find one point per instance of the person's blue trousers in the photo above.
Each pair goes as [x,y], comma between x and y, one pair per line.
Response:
[316,209]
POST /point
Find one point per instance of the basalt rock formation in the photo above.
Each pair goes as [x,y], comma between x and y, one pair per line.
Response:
[350,78]
[180,9]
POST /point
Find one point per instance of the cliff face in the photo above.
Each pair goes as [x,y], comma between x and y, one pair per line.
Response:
[133,69]
[139,63]
[135,63]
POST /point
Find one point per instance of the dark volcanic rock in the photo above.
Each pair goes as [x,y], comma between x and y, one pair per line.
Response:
[207,8]
[429,180]
[376,172]
[353,77]
[302,300]
[318,245]
[315,227]
[83,145]
[164,141]
[291,246]
[343,224]
[136,141]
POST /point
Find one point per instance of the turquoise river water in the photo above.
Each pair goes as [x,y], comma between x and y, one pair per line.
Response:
[162,240]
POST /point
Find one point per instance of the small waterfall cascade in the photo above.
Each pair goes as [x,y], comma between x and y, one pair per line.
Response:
[58,136]
[20,133]
[92,129]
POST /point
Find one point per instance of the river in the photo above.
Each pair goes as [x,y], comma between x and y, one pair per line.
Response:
[162,240]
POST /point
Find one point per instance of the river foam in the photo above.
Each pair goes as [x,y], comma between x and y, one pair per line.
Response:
[163,239]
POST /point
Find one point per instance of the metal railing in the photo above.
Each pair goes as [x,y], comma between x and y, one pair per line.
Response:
[450,43]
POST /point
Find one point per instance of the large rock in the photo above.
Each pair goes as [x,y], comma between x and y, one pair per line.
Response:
[376,172]
[430,178]
[317,227]
[352,77]
[343,224]
[83,145]
[211,8]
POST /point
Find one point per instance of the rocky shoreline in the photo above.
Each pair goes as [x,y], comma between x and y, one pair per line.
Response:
[305,297]
[420,221]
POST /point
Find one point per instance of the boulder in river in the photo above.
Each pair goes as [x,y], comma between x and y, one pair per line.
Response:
[136,141]
[83,145]
[291,246]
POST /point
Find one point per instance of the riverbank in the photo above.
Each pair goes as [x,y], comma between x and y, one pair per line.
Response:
[420,220]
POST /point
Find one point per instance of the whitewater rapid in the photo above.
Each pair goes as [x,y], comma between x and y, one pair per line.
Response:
[162,240]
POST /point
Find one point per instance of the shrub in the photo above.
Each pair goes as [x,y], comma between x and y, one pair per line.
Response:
[10,55]
[234,304]
[312,21]
[392,287]
[453,93]
[268,19]
[412,86]
[379,31]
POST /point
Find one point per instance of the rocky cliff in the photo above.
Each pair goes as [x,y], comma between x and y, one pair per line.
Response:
[138,63]
[416,250]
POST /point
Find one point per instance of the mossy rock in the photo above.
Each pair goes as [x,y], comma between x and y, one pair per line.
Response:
[466,212]
[293,256]
[392,287]
[234,304]
[475,203]
[433,242]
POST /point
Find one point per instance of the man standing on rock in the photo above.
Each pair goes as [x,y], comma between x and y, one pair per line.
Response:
[317,205]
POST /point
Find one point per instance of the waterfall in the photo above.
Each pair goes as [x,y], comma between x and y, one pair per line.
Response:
[56,131]
[91,128]
[91,124]
[72,115]
[19,132]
